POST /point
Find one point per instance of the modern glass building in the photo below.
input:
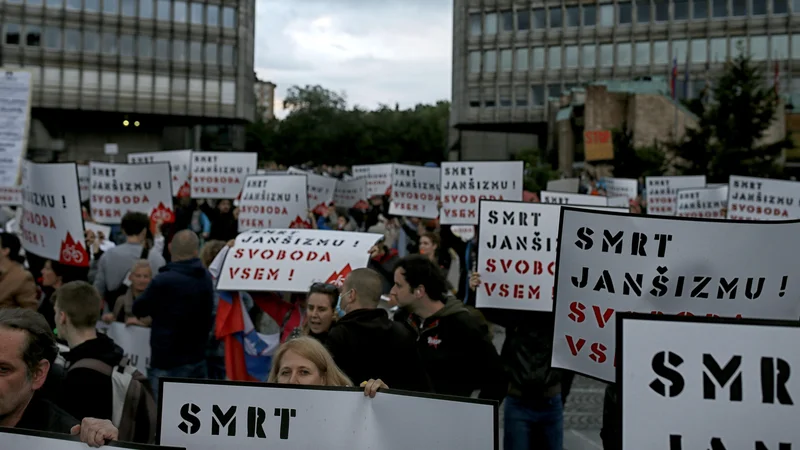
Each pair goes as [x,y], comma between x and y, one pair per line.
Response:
[509,57]
[146,74]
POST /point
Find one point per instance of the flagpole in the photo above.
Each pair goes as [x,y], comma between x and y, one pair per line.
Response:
[675,91]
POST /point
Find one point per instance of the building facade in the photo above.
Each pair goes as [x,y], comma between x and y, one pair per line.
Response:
[511,56]
[265,100]
[145,74]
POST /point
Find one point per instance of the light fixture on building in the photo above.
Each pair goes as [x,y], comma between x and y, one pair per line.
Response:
[136,124]
[125,123]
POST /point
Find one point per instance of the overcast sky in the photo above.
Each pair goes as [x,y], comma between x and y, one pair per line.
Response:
[376,51]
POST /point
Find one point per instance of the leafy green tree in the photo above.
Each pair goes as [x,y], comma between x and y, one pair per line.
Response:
[631,162]
[536,172]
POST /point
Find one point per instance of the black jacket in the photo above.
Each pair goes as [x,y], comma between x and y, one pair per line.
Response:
[180,300]
[86,392]
[366,344]
[43,415]
[457,353]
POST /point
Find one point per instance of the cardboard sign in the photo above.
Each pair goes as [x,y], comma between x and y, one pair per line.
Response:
[320,190]
[517,254]
[221,174]
[613,262]
[135,342]
[292,260]
[84,182]
[763,199]
[273,201]
[10,196]
[564,198]
[464,184]
[598,145]
[18,438]
[735,377]
[15,112]
[119,188]
[415,191]
[568,185]
[378,176]
[52,223]
[180,166]
[708,203]
[209,415]
[662,192]
[622,187]
[351,194]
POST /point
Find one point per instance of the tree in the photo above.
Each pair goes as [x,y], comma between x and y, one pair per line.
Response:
[536,172]
[631,162]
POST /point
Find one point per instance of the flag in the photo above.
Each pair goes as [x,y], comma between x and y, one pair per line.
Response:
[248,354]
[686,78]
[674,76]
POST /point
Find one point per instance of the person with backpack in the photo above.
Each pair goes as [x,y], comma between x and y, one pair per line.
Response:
[99,380]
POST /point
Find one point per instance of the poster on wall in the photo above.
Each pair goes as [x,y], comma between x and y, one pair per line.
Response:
[464,184]
[180,166]
[321,190]
[15,112]
[273,201]
[120,188]
[415,191]
[221,175]
[752,198]
[662,192]
[351,194]
[707,203]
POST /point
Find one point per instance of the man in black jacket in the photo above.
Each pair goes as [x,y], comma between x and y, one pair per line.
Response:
[366,344]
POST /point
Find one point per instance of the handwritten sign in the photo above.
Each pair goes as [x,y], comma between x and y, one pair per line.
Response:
[15,111]
[119,188]
[662,192]
[464,184]
[415,191]
[180,166]
[273,201]
[221,174]
[763,199]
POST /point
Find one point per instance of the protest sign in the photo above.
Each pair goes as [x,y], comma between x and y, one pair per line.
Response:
[351,194]
[273,201]
[732,376]
[622,187]
[221,174]
[619,202]
[612,262]
[15,112]
[52,223]
[320,189]
[84,181]
[752,198]
[119,188]
[20,438]
[135,342]
[180,166]
[464,232]
[292,260]
[464,184]
[10,196]
[517,254]
[378,176]
[568,185]
[211,415]
[415,191]
[662,191]
[709,203]
[564,198]
[98,229]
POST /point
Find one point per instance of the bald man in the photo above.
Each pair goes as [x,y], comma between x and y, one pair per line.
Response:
[180,300]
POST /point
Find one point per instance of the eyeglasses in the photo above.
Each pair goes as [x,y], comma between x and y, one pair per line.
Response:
[324,288]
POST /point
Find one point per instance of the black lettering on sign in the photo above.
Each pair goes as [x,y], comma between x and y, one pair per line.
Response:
[614,242]
[775,374]
[220,419]
[714,376]
[665,365]
[189,413]
[676,443]
[256,419]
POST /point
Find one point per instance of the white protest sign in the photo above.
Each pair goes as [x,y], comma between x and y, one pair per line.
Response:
[212,415]
[378,176]
[709,203]
[97,229]
[111,149]
[291,260]
[84,181]
[569,185]
[619,202]
[15,112]
[763,199]
[517,254]
[273,201]
[622,187]
[609,262]
[464,232]
[119,188]
[661,192]
[180,166]
[135,342]
[52,222]
[320,189]
[415,191]
[735,377]
[11,196]
[564,198]
[18,438]
[351,194]
[221,174]
[464,184]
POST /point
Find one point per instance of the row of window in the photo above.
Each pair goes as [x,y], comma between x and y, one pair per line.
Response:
[760,48]
[88,41]
[178,10]
[623,13]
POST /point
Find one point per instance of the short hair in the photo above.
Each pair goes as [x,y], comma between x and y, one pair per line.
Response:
[367,283]
[68,273]
[433,237]
[418,270]
[41,343]
[81,302]
[133,223]
[13,244]
[325,289]
[141,264]
[184,245]
[210,251]
[314,351]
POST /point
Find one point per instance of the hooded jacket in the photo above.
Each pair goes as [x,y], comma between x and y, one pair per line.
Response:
[366,344]
[86,392]
[457,353]
[180,302]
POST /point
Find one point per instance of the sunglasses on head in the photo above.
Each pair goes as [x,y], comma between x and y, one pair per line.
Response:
[324,288]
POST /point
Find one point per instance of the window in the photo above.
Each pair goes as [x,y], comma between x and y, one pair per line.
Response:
[211,53]
[662,10]
[74,5]
[505,96]
[523,20]
[179,50]
[33,36]
[179,12]
[556,20]
[588,56]
[782,6]
[643,11]
[538,58]
[738,47]
[607,55]
[145,46]
[624,54]
[660,52]
[146,9]
[520,96]
[129,8]
[758,48]
[111,7]
[490,23]
[12,34]
[195,52]
[34,2]
[719,49]
[55,4]
[126,45]
[90,5]
[474,98]
[490,61]
[589,15]
[197,13]
[505,60]
[625,13]
[700,9]
[537,91]
[163,12]
[573,16]
[521,60]
[642,54]
[475,24]
[228,17]
[227,55]
[796,46]
[507,20]
[72,40]
[779,49]
[52,38]
[91,41]
[759,8]
[539,19]
[554,90]
[699,50]
[680,9]
[162,48]
[571,53]
[740,7]
[488,98]
[554,58]
[474,62]
[680,50]
[719,8]
[109,44]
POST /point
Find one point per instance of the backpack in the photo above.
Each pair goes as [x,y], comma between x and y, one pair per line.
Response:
[131,398]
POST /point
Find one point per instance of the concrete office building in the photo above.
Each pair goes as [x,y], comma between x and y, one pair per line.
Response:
[265,100]
[510,56]
[146,74]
